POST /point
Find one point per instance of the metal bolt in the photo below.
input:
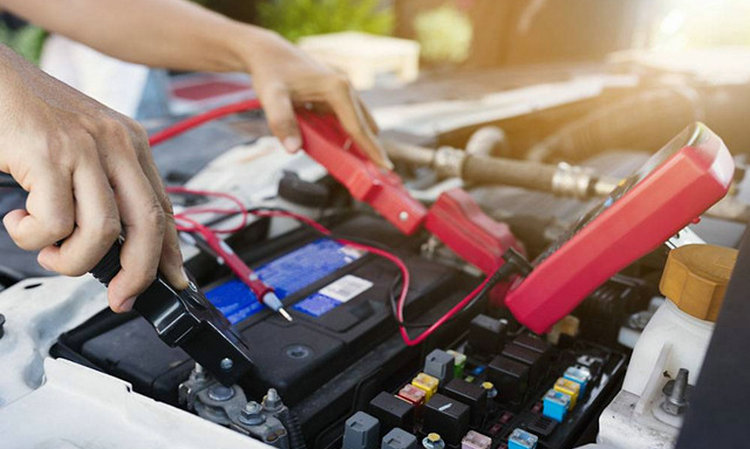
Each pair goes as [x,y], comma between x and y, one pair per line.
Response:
[433,441]
[676,392]
[252,414]
[491,390]
[198,374]
[272,401]
[226,364]
[403,215]
[220,393]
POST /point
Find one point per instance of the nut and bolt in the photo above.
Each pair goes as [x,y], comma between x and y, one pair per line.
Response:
[676,392]
[226,364]
[491,390]
[272,401]
[220,393]
[252,414]
[433,441]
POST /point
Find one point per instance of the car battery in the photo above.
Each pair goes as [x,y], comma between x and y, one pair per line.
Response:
[338,296]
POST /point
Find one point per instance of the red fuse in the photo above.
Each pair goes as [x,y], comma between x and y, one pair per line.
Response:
[413,395]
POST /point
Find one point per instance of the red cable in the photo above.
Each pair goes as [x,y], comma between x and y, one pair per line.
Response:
[201,210]
[195,121]
[396,261]
[248,105]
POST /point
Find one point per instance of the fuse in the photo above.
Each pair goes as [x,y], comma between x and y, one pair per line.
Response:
[413,395]
[426,383]
[521,439]
[475,440]
[459,362]
[570,388]
[556,405]
[580,375]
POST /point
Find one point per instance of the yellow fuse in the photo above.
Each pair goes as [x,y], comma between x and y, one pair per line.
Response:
[569,387]
[426,383]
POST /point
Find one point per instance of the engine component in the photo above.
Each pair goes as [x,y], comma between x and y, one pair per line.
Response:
[676,394]
[556,405]
[439,364]
[475,440]
[694,281]
[520,439]
[510,376]
[391,411]
[649,408]
[433,441]
[562,179]
[486,334]
[552,410]
[447,416]
[399,439]
[361,431]
[473,395]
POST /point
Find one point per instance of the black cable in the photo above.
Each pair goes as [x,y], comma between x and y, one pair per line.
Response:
[514,264]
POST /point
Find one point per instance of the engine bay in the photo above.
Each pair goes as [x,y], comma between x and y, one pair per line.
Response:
[500,372]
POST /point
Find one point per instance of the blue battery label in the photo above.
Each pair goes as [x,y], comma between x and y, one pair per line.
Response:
[287,275]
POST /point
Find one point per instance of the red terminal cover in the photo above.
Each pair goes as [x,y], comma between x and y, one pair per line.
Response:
[676,185]
[457,221]
[323,138]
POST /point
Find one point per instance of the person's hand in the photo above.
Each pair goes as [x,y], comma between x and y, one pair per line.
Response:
[90,177]
[285,77]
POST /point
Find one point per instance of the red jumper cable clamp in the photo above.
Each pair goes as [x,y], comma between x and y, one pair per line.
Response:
[454,218]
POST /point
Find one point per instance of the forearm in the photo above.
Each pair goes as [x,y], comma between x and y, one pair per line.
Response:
[174,34]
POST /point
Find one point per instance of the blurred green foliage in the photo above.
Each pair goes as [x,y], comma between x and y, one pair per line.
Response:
[294,19]
[27,41]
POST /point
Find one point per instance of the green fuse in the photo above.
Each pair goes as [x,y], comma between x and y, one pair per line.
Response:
[459,361]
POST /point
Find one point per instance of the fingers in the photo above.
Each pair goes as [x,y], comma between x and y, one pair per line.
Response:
[143,221]
[49,215]
[170,263]
[370,119]
[97,223]
[357,122]
[279,111]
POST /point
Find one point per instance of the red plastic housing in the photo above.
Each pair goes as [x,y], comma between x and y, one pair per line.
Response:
[674,193]
[457,221]
[455,218]
[323,139]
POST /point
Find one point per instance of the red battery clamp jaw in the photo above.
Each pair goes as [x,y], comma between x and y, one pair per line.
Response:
[675,186]
[455,218]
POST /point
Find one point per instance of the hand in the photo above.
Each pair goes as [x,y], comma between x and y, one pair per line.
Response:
[284,76]
[90,177]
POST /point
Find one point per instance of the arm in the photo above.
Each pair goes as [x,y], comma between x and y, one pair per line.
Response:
[178,34]
[90,176]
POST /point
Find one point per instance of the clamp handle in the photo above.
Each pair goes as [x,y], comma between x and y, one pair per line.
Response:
[185,319]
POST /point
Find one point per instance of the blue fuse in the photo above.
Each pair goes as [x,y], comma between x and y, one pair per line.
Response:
[555,405]
[478,370]
[580,375]
[521,439]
